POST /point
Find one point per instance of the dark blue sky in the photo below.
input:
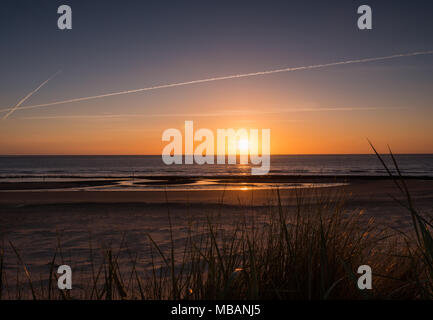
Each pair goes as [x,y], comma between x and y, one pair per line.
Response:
[208,36]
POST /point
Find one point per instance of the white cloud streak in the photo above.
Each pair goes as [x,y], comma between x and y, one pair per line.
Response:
[214,114]
[236,76]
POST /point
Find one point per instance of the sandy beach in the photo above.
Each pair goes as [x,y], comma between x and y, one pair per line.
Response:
[369,193]
[36,221]
[51,210]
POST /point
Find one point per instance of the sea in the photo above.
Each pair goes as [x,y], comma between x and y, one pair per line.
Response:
[67,167]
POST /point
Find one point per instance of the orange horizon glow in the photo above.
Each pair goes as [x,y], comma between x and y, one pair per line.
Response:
[297,125]
[287,140]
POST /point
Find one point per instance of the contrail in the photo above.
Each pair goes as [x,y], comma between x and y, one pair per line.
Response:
[11,110]
[236,76]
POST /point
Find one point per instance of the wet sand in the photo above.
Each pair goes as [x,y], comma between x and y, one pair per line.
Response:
[366,192]
[20,186]
[372,195]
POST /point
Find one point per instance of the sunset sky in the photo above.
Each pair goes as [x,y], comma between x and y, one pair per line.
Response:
[128,45]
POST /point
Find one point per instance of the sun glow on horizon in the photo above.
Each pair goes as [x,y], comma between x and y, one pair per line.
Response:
[243,146]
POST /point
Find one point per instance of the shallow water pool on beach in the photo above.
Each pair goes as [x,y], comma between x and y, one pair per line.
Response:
[187,184]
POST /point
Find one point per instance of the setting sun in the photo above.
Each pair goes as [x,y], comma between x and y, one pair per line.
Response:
[243,145]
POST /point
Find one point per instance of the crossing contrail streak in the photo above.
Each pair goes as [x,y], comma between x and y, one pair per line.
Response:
[235,76]
[11,110]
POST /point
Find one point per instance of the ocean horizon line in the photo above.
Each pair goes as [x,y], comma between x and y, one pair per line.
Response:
[158,155]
